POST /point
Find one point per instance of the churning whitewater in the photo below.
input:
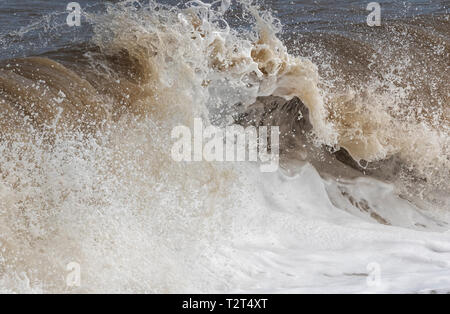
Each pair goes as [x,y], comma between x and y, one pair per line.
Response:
[87,178]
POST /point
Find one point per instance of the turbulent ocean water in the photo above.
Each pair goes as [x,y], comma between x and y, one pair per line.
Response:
[361,201]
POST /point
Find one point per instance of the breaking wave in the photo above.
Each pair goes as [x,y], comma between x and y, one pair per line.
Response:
[86,173]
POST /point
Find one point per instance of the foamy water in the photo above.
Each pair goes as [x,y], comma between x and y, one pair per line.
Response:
[361,202]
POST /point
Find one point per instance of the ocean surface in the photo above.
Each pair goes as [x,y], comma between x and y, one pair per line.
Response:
[88,186]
